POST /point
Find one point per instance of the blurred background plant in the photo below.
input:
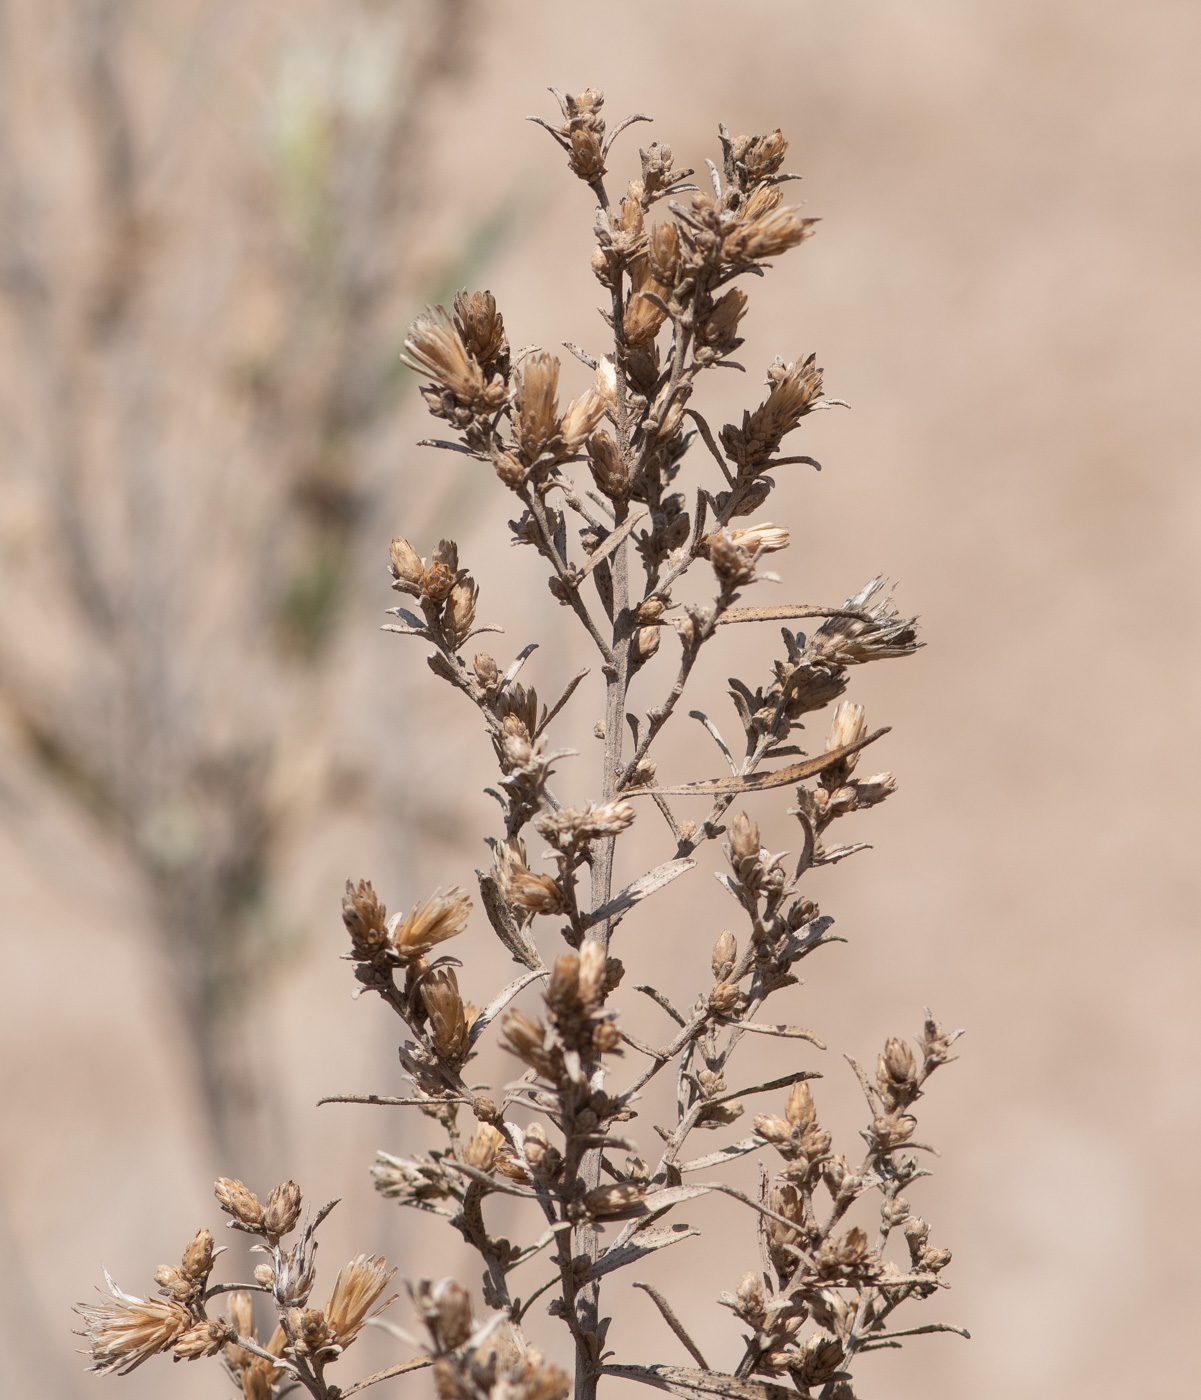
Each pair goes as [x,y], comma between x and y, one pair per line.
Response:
[207,216]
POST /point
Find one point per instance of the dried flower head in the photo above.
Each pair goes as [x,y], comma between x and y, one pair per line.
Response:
[356,1291]
[442,916]
[239,1202]
[123,1330]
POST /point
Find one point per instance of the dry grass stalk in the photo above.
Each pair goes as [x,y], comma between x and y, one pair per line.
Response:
[826,1290]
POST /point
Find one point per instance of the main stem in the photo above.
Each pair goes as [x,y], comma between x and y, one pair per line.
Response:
[617,678]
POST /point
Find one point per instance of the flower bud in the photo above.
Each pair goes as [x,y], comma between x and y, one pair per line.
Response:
[800,1108]
[482,1147]
[646,642]
[459,612]
[405,564]
[241,1312]
[724,998]
[616,1199]
[663,253]
[282,1209]
[774,1129]
[486,670]
[725,952]
[198,1257]
[847,727]
[608,470]
[732,564]
[239,1202]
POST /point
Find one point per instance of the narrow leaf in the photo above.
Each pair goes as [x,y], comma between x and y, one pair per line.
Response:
[699,1385]
[759,782]
[727,1154]
[646,885]
[639,1246]
[504,925]
[499,1002]
[562,700]
[786,1032]
[522,656]
[611,541]
[786,611]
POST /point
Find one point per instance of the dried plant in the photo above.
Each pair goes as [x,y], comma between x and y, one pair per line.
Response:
[557,1138]
[199,338]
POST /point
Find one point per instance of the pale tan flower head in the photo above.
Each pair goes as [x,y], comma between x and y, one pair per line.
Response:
[458,616]
[847,727]
[238,1201]
[765,538]
[365,917]
[481,1148]
[480,326]
[356,1291]
[537,426]
[123,1330]
[448,1016]
[442,916]
[281,1210]
[767,236]
[522,889]
[436,348]
[203,1339]
[582,416]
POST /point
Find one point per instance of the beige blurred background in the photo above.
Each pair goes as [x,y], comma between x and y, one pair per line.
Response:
[216,220]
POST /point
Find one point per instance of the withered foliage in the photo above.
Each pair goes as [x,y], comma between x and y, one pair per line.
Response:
[599,493]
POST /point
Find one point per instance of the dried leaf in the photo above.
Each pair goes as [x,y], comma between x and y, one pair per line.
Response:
[639,1245]
[519,661]
[727,1154]
[611,541]
[785,612]
[786,1032]
[499,1002]
[562,700]
[759,782]
[646,885]
[504,926]
[699,1385]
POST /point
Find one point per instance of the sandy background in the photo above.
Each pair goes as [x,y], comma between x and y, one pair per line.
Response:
[1006,287]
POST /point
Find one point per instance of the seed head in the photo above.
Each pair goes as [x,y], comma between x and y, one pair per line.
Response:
[724,998]
[582,416]
[801,1111]
[766,538]
[522,889]
[436,348]
[663,253]
[847,727]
